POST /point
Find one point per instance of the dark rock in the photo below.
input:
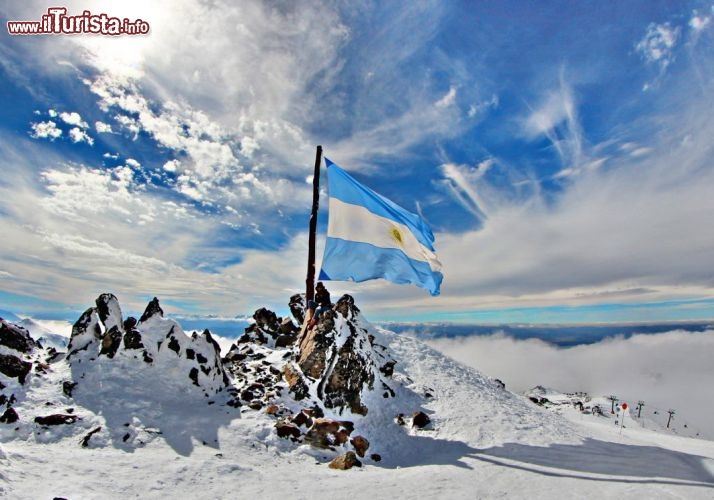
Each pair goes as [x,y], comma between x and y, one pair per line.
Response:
[302,419]
[201,358]
[16,338]
[346,307]
[323,432]
[420,419]
[297,307]
[132,339]
[12,366]
[56,419]
[111,341]
[346,461]
[152,309]
[68,387]
[376,457]
[85,440]
[388,368]
[286,430]
[360,444]
[267,321]
[341,437]
[190,354]
[9,417]
[193,375]
[500,383]
[399,419]
[285,340]
[174,344]
[287,327]
[129,323]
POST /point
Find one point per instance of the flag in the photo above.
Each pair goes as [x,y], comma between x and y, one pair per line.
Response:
[370,237]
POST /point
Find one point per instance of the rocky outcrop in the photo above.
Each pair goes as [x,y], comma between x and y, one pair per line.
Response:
[269,329]
[14,367]
[339,357]
[16,338]
[101,332]
[16,345]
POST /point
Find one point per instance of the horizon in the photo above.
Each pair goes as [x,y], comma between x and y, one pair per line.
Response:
[561,153]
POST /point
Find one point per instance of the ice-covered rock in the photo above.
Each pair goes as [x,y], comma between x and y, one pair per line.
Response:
[15,346]
[338,357]
[153,341]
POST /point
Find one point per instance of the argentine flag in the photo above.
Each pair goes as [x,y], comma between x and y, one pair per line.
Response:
[369,237]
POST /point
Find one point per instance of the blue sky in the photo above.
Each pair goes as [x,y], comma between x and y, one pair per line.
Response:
[560,151]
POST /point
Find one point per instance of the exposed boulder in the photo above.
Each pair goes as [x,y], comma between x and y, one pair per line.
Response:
[266,320]
[56,419]
[14,367]
[346,461]
[325,433]
[9,416]
[16,338]
[68,387]
[420,419]
[287,430]
[360,444]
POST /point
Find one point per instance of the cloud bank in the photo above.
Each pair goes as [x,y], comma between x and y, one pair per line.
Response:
[667,370]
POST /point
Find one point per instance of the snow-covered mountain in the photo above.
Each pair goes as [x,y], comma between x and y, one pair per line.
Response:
[139,408]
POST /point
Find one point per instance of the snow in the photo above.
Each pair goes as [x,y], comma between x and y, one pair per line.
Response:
[160,437]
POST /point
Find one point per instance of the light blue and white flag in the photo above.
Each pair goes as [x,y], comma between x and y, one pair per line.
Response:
[369,237]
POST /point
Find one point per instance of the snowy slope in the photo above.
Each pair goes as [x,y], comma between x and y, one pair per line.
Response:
[160,438]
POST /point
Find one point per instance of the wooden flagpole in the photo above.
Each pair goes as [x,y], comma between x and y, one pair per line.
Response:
[310,281]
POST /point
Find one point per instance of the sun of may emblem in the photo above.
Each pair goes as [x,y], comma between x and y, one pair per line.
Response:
[396,235]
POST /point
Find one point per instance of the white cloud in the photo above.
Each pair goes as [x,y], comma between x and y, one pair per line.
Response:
[45,130]
[133,163]
[172,165]
[79,135]
[73,118]
[699,22]
[665,370]
[448,99]
[658,44]
[475,110]
[102,128]
[462,181]
[557,119]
